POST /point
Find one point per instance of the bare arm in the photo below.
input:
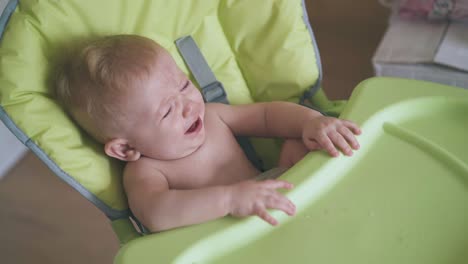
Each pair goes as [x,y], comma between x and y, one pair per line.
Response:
[160,208]
[272,119]
[289,120]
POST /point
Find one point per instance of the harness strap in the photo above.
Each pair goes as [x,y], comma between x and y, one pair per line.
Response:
[211,88]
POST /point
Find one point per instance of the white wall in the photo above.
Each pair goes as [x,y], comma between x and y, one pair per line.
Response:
[11,149]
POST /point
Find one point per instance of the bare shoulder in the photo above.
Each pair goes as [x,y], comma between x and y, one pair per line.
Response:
[141,181]
[219,110]
[142,175]
[216,109]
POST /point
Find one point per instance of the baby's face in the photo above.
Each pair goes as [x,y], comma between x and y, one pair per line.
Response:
[167,112]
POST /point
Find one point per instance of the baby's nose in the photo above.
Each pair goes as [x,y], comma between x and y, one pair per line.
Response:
[188,108]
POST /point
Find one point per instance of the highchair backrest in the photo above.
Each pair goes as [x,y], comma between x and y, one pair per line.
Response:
[260,51]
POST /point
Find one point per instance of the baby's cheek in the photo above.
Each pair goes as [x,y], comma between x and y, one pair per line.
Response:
[196,94]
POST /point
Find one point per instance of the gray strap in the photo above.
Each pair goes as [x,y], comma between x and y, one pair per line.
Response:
[212,89]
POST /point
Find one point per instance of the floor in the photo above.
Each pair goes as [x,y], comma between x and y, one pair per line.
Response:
[42,220]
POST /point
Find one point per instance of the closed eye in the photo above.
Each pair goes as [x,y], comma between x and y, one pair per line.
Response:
[185,85]
[168,112]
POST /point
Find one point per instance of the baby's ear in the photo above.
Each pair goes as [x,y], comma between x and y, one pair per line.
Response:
[120,149]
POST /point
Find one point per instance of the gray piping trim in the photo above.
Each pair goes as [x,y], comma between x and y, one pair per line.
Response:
[9,8]
[316,86]
[112,214]
[12,126]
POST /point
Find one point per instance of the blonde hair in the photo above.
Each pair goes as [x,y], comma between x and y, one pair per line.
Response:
[91,83]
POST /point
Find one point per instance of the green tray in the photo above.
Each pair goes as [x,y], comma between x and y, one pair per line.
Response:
[402,198]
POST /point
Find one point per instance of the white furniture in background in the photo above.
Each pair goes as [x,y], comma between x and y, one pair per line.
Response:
[423,50]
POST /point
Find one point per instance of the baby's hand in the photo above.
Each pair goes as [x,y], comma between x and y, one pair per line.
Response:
[330,133]
[255,197]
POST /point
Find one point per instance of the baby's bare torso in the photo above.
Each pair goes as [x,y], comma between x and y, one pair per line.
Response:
[219,161]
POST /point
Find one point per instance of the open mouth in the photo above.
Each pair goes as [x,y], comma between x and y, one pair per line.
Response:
[194,127]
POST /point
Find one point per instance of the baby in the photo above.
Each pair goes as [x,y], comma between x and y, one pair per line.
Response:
[184,165]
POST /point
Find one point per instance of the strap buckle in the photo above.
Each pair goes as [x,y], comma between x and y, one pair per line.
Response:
[214,92]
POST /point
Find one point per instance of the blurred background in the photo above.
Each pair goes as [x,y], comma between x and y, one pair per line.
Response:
[42,220]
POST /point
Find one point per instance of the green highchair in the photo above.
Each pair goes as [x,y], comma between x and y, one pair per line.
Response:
[402,198]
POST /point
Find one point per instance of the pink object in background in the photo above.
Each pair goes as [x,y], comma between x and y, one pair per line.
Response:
[456,10]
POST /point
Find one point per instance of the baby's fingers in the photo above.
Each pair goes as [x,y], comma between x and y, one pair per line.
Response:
[277,184]
[263,214]
[352,126]
[350,138]
[280,202]
[327,145]
[341,143]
